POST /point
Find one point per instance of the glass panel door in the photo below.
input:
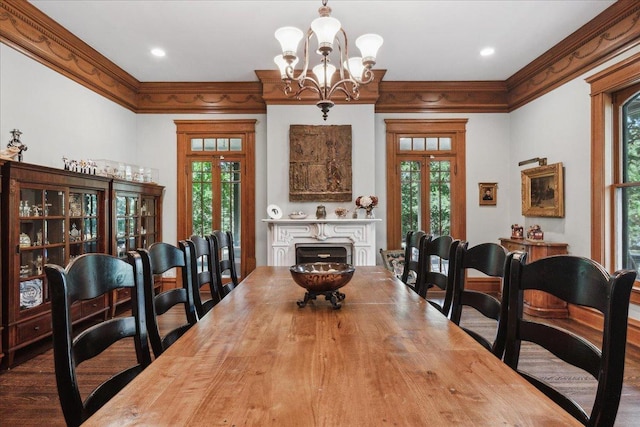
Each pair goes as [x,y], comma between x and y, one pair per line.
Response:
[421,209]
[216,194]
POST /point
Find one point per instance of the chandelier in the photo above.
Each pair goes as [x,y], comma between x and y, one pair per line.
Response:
[353,71]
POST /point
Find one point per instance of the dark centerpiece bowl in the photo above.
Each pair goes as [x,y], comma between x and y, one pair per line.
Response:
[322,278]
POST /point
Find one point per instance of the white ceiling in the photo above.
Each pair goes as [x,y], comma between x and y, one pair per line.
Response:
[223,41]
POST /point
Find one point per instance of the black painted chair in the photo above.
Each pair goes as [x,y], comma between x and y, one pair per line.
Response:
[393,260]
[203,273]
[439,258]
[157,259]
[412,274]
[224,261]
[87,277]
[490,259]
[582,282]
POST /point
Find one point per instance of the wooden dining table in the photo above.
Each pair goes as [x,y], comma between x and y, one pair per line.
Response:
[386,357]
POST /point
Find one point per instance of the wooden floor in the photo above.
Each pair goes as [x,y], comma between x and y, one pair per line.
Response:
[28,394]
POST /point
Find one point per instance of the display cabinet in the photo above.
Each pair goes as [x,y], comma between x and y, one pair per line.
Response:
[48,216]
[136,210]
[538,303]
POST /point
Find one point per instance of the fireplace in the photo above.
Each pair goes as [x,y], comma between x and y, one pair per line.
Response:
[356,236]
[323,253]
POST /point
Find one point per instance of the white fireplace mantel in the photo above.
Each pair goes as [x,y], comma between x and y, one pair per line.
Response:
[285,234]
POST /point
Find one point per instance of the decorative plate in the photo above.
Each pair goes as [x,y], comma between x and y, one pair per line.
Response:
[274,212]
[30,293]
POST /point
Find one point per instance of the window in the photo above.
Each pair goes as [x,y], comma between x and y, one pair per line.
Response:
[627,178]
[425,185]
[217,189]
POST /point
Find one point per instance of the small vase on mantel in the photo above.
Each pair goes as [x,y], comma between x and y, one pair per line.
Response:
[370,214]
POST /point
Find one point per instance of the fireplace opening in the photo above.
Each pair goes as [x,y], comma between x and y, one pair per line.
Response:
[306,253]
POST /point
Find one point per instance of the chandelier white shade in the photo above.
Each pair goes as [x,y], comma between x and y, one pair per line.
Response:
[331,39]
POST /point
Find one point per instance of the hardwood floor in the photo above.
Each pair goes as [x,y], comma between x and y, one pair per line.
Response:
[28,395]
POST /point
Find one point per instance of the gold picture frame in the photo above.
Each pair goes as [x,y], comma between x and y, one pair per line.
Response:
[543,191]
[488,193]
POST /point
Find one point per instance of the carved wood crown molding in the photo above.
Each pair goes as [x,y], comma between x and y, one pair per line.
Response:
[28,30]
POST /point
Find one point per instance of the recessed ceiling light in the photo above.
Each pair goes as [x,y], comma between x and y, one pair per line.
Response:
[487,51]
[158,52]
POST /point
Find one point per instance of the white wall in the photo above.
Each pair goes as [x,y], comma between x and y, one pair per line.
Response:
[487,158]
[157,148]
[58,117]
[558,126]
[61,118]
[364,154]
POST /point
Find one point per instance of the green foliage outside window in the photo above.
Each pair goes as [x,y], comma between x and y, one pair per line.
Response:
[439,197]
[631,195]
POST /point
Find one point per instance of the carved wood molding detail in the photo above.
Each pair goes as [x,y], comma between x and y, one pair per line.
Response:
[613,31]
[28,30]
[442,96]
[36,35]
[233,97]
[272,90]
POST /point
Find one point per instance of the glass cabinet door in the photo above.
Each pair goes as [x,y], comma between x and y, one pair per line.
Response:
[41,240]
[127,224]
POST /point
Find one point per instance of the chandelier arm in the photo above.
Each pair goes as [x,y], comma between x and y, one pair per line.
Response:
[315,87]
[318,81]
[342,86]
[344,54]
[367,76]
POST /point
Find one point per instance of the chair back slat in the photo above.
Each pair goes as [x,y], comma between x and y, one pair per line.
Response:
[413,271]
[442,250]
[204,272]
[223,244]
[492,260]
[87,277]
[159,258]
[584,282]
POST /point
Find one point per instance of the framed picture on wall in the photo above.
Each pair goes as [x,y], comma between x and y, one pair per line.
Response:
[488,193]
[543,191]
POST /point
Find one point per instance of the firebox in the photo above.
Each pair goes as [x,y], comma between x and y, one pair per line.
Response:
[319,252]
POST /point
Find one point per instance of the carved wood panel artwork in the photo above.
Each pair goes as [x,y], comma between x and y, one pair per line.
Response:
[320,163]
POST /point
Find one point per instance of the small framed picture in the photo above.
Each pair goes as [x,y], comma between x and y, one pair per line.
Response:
[488,193]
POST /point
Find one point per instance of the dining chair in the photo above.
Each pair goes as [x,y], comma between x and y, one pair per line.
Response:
[490,259]
[413,259]
[393,260]
[88,277]
[159,258]
[203,274]
[582,282]
[439,258]
[224,260]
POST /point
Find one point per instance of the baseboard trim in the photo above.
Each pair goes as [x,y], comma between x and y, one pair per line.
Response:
[593,319]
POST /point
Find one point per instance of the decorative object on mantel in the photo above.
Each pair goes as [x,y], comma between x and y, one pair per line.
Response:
[543,191]
[274,212]
[535,233]
[320,163]
[353,71]
[367,203]
[517,231]
[321,212]
[15,147]
[341,212]
[297,215]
